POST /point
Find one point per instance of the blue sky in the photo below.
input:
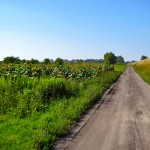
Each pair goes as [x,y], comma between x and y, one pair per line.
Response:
[72,29]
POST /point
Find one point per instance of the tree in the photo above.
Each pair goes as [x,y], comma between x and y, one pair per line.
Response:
[120,60]
[80,61]
[59,61]
[143,57]
[109,58]
[11,59]
[23,60]
[46,60]
[34,61]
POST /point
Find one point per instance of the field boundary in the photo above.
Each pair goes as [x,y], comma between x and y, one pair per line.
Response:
[61,144]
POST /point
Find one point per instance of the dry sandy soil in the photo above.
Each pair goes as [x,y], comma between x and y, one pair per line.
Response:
[122,122]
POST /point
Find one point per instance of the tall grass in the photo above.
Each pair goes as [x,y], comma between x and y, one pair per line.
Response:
[35,112]
[143,69]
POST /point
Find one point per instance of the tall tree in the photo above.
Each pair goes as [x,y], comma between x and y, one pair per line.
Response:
[120,60]
[46,61]
[34,61]
[109,58]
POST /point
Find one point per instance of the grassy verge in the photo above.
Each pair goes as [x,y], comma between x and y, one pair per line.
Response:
[143,69]
[35,112]
[120,67]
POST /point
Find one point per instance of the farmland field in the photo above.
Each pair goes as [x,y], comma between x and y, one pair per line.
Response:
[143,69]
[39,103]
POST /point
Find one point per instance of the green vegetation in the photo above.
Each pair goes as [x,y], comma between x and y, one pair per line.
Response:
[120,60]
[109,58]
[39,103]
[143,69]
[46,61]
[77,71]
[143,57]
[59,61]
[11,59]
[120,67]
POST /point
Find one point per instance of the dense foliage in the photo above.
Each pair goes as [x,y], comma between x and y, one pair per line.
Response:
[59,61]
[11,59]
[39,103]
[109,58]
[120,60]
[143,57]
[67,71]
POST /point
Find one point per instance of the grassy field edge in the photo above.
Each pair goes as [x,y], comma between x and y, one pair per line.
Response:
[143,69]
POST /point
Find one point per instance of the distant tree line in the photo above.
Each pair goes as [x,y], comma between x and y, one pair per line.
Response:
[60,61]
[17,60]
[109,58]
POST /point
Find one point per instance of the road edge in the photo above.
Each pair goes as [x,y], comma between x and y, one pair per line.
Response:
[61,144]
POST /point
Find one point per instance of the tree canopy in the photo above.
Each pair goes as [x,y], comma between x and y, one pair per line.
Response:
[120,60]
[143,57]
[59,61]
[34,61]
[46,61]
[109,58]
[11,59]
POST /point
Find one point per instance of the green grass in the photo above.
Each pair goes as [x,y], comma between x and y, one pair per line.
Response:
[120,67]
[34,113]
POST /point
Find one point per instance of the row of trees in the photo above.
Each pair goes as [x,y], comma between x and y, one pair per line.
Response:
[13,59]
[109,58]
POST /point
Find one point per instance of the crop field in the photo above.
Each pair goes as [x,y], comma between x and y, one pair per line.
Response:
[143,69]
[67,71]
[39,103]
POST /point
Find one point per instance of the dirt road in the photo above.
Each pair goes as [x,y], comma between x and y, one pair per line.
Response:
[122,122]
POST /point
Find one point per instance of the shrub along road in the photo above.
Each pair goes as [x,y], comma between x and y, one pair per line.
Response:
[122,121]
